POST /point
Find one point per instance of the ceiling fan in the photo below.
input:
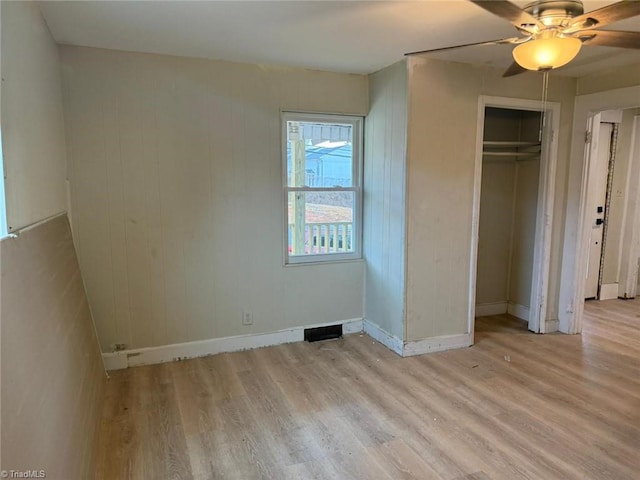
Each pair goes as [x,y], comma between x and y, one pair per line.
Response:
[552,32]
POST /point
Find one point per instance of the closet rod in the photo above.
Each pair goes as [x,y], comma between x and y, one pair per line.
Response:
[504,144]
[510,154]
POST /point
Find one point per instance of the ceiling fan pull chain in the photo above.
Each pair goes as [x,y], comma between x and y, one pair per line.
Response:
[543,113]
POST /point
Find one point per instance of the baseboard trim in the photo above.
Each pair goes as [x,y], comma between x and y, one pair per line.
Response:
[519,311]
[608,291]
[437,344]
[213,346]
[392,342]
[552,326]
[488,309]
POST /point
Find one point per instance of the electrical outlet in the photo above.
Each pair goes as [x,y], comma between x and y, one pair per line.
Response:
[118,347]
[247,318]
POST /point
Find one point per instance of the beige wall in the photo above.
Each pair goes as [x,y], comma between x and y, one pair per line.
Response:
[495,231]
[384,199]
[52,373]
[176,189]
[51,370]
[443,109]
[32,118]
[508,207]
[620,77]
[524,230]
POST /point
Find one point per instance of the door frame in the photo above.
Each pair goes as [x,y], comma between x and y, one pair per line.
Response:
[594,126]
[572,282]
[544,216]
[628,281]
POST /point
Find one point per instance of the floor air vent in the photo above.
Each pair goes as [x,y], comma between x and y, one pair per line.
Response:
[322,333]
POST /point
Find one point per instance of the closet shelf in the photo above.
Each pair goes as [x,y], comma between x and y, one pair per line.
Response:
[513,149]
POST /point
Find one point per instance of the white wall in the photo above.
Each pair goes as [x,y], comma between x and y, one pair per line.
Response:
[53,378]
[443,109]
[32,117]
[176,189]
[51,370]
[384,199]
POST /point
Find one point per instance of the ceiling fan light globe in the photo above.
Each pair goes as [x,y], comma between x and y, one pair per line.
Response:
[546,53]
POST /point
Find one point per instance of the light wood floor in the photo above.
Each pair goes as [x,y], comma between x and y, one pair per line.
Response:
[514,406]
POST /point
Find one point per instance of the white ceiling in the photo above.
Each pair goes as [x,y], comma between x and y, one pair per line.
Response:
[345,36]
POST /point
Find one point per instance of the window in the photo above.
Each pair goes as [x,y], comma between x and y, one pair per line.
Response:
[322,183]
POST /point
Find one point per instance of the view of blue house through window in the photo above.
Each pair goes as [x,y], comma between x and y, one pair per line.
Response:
[323,169]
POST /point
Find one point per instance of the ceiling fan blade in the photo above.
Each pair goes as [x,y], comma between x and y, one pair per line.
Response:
[514,69]
[610,38]
[491,42]
[510,12]
[605,15]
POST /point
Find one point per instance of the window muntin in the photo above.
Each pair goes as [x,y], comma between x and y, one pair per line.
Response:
[323,158]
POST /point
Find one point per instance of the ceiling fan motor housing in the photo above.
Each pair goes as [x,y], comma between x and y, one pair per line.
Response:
[555,13]
[552,32]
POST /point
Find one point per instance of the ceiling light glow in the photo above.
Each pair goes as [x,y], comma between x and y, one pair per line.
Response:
[546,53]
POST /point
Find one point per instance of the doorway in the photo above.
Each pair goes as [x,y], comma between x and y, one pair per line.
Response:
[515,168]
[611,212]
[603,138]
[577,229]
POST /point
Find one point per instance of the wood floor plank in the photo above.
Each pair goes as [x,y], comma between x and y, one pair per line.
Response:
[514,406]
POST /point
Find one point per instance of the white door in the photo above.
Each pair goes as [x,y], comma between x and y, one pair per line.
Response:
[596,205]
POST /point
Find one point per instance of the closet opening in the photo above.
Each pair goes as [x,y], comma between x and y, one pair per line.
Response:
[514,199]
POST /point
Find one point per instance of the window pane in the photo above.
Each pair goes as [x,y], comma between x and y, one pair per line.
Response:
[321,222]
[319,154]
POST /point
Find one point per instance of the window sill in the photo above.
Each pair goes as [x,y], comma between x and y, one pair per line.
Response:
[324,262]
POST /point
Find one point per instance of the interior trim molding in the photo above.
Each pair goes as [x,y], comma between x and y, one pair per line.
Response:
[213,346]
[552,326]
[488,309]
[392,342]
[519,311]
[203,348]
[437,344]
[608,291]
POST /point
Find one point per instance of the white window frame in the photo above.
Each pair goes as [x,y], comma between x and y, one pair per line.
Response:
[357,144]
